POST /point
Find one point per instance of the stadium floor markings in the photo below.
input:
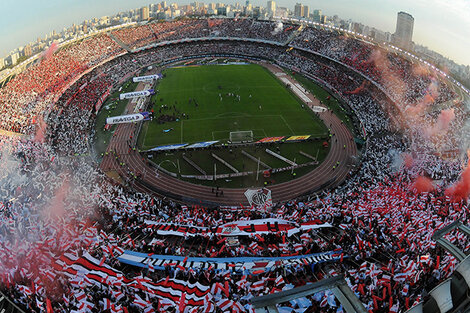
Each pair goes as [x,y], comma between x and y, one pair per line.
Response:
[145,126]
[233,114]
[230,130]
[287,124]
[216,118]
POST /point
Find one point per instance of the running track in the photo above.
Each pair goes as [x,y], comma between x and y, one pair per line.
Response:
[322,176]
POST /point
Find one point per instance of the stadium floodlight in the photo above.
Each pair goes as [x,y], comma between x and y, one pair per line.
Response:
[464,269]
[337,284]
[441,293]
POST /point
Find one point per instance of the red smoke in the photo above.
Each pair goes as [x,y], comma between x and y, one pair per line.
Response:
[408,159]
[57,209]
[445,118]
[443,122]
[357,90]
[423,184]
[41,130]
[50,51]
[382,64]
[461,190]
[419,69]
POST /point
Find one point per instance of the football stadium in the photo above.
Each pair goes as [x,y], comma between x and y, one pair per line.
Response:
[233,164]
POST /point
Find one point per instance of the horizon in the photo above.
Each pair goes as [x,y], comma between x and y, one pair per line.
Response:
[440,25]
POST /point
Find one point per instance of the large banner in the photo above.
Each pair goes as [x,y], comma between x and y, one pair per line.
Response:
[86,270]
[169,147]
[146,78]
[131,118]
[101,100]
[259,198]
[136,94]
[232,264]
[238,228]
[203,144]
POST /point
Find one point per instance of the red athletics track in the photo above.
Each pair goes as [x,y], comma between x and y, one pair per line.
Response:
[164,184]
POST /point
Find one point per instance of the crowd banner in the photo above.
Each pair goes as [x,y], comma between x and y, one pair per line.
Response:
[146,78]
[260,198]
[270,139]
[203,144]
[101,100]
[136,94]
[298,138]
[87,270]
[131,118]
[237,228]
[169,147]
[237,264]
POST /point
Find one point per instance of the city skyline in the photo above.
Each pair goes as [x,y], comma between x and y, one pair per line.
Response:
[441,25]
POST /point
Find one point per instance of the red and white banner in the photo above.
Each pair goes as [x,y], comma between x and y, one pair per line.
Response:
[239,228]
[88,270]
[101,100]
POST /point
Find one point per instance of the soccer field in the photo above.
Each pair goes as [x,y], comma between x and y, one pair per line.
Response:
[195,103]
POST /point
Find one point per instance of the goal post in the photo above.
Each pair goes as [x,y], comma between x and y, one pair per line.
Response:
[241,136]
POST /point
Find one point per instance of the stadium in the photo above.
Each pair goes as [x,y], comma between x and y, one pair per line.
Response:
[233,165]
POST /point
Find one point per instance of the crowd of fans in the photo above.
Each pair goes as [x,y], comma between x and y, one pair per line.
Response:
[56,207]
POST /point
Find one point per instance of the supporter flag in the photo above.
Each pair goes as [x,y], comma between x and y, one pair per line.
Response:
[208,304]
[405,290]
[141,303]
[106,304]
[182,302]
[279,281]
[259,285]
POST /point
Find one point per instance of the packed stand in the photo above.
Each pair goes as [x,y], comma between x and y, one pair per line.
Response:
[63,225]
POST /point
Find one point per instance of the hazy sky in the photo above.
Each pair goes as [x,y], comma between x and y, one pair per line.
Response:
[442,25]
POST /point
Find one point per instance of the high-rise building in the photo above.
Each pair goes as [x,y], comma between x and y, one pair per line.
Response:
[404,31]
[2,63]
[144,13]
[28,51]
[316,15]
[306,11]
[298,10]
[271,8]
[301,10]
[12,58]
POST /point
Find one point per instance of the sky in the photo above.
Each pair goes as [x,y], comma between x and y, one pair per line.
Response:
[442,25]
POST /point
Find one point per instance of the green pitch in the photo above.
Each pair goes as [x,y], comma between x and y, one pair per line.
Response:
[194,104]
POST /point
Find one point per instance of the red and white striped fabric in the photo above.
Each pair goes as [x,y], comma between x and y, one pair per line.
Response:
[208,304]
[305,238]
[242,283]
[230,306]
[259,285]
[26,290]
[279,281]
[80,296]
[405,290]
[254,246]
[141,303]
[298,247]
[106,304]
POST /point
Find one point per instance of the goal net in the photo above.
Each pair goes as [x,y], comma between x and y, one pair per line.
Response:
[241,136]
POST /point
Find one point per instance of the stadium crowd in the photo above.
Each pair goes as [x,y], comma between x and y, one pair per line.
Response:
[63,224]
